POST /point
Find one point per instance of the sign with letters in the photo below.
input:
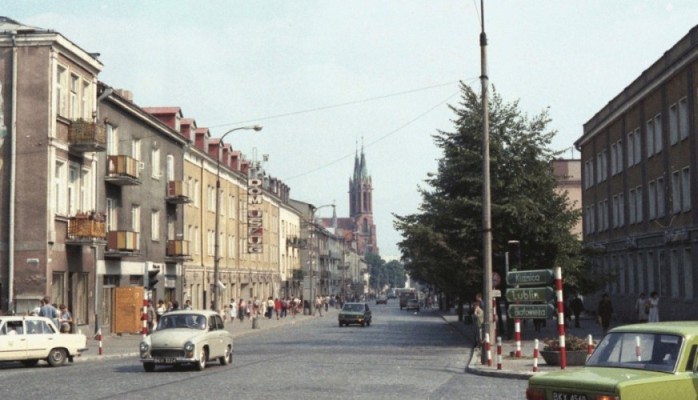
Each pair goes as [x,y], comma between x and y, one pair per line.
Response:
[539,277]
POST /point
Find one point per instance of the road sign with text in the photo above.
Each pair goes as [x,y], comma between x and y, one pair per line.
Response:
[539,277]
[531,311]
[530,295]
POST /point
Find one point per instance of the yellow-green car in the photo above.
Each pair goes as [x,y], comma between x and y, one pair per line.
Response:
[640,361]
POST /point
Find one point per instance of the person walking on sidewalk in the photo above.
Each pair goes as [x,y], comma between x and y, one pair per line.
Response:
[642,308]
[653,301]
[479,319]
[318,305]
[577,307]
[605,312]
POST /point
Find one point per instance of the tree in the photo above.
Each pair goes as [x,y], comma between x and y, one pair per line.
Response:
[442,243]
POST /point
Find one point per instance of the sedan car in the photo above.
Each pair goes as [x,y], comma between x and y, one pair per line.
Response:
[187,337]
[640,361]
[381,300]
[29,339]
[355,313]
[412,304]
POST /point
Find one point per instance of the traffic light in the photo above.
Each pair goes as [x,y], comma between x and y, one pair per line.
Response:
[152,278]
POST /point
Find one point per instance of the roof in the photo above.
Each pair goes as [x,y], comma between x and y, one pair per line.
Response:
[163,110]
[10,25]
[683,328]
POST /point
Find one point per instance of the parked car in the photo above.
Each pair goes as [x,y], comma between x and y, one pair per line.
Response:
[640,361]
[30,339]
[187,337]
[412,304]
[382,300]
[354,313]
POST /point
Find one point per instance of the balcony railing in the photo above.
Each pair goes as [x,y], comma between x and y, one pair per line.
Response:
[86,228]
[178,250]
[178,192]
[122,243]
[123,170]
[85,136]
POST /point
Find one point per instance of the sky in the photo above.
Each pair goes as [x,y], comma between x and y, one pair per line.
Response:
[329,78]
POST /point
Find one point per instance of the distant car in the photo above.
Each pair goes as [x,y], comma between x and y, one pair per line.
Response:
[382,300]
[412,304]
[187,337]
[640,361]
[354,313]
[29,339]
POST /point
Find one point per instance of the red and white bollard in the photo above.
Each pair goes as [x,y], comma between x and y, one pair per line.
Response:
[535,355]
[560,317]
[99,340]
[144,318]
[590,345]
[499,352]
[517,337]
[488,349]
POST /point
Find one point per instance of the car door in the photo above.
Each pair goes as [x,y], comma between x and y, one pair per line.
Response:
[40,338]
[13,341]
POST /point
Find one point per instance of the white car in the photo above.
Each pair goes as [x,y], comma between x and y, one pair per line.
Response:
[29,339]
[190,337]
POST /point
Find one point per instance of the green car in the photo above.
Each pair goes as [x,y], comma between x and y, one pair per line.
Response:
[640,361]
[355,313]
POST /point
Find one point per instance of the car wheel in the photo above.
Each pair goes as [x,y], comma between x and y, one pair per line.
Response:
[228,357]
[340,324]
[56,357]
[149,367]
[201,362]
[29,363]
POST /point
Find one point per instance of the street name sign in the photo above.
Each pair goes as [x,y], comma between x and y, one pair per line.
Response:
[533,295]
[538,277]
[531,311]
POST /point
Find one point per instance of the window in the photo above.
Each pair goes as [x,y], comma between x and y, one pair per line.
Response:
[673,124]
[112,140]
[683,119]
[661,198]
[674,272]
[74,100]
[111,215]
[621,210]
[136,218]
[658,144]
[155,162]
[73,189]
[170,167]
[614,160]
[639,217]
[86,99]
[685,190]
[631,149]
[649,135]
[616,209]
[136,149]
[652,200]
[675,192]
[211,198]
[60,187]
[687,274]
[87,199]
[61,91]
[619,157]
[197,241]
[633,210]
[637,142]
[155,225]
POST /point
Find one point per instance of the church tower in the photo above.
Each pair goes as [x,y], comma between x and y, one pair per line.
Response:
[361,206]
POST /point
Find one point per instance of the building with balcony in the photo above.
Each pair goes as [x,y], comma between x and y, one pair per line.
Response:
[52,230]
[639,155]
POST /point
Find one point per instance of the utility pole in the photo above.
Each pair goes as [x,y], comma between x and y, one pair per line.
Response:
[488,326]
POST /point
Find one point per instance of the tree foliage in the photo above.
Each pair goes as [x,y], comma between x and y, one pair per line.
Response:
[382,274]
[442,242]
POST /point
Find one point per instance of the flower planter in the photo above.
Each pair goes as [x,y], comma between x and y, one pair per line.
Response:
[552,357]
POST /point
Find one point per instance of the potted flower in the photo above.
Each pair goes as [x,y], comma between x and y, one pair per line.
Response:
[575,348]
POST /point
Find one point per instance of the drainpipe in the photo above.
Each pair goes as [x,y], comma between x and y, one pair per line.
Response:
[13,173]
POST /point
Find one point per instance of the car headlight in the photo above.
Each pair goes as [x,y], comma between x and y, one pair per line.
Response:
[189,346]
[144,347]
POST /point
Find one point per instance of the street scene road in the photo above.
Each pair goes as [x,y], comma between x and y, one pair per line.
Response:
[402,355]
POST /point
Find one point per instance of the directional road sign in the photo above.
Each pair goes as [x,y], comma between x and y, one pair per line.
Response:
[530,295]
[538,277]
[531,311]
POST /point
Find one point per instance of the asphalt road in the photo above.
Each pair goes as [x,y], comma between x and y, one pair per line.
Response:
[402,355]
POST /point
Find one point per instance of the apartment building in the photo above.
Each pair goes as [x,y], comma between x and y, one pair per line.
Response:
[640,156]
[49,146]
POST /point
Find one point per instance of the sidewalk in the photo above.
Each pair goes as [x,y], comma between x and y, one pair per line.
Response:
[126,345]
[520,368]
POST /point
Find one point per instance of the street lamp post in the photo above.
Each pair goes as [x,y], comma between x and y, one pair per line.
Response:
[216,240]
[311,300]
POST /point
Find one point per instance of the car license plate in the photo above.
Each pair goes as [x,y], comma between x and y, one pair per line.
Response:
[166,361]
[568,396]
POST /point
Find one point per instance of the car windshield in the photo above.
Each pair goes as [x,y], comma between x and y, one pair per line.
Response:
[353,307]
[649,351]
[188,321]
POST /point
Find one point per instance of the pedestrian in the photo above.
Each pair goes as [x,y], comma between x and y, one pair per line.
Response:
[278,305]
[642,308]
[318,305]
[577,307]
[653,301]
[49,311]
[604,312]
[242,309]
[226,312]
[270,307]
[151,316]
[66,319]
[233,310]
[187,304]
[175,306]
[479,317]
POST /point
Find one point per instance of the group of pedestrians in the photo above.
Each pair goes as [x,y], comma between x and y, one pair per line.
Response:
[60,315]
[255,308]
